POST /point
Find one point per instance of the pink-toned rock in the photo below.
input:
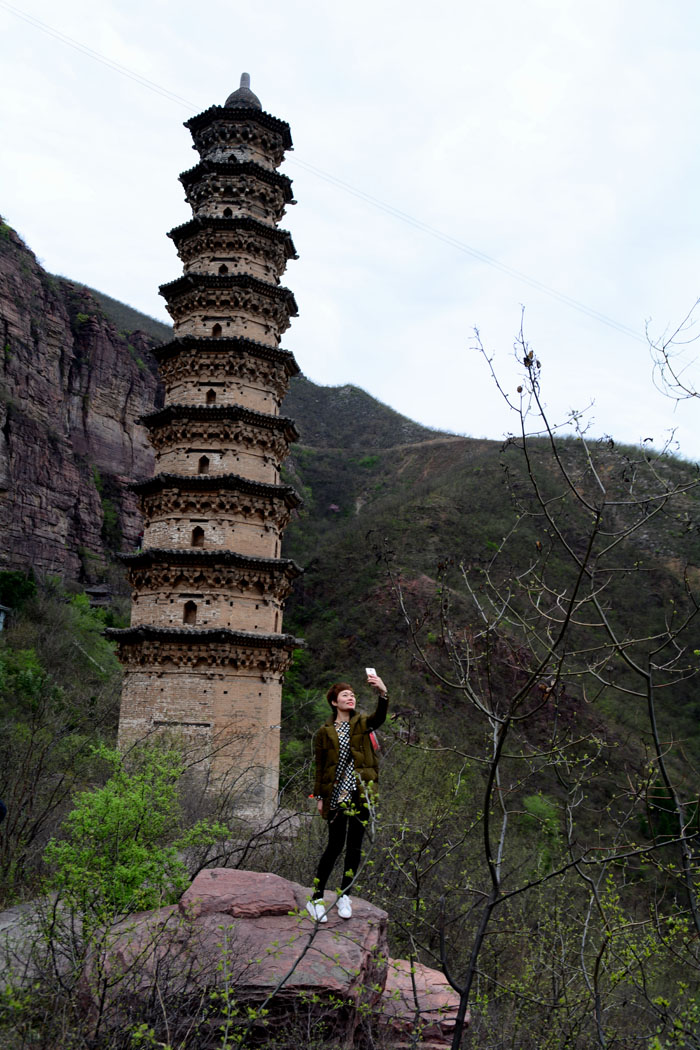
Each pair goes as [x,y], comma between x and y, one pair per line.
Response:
[240,894]
[417,998]
[250,932]
[257,935]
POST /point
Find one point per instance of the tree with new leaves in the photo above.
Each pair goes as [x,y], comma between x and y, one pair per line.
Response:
[59,694]
[121,851]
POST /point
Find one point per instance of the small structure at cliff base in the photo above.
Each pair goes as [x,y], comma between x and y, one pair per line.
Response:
[205,653]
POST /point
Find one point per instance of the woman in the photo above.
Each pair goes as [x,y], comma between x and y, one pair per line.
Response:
[346,776]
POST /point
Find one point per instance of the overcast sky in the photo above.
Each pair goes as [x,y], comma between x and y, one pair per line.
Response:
[557,139]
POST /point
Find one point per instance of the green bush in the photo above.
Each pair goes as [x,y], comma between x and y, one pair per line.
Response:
[121,848]
[111,526]
[15,588]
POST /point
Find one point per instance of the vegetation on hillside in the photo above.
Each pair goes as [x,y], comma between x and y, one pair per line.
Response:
[348,418]
[125,318]
[59,697]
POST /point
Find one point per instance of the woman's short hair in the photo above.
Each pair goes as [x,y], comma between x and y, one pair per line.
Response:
[332,693]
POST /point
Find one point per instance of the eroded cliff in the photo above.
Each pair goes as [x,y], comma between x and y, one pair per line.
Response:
[72,388]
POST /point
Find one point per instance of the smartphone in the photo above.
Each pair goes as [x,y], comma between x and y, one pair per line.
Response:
[369,671]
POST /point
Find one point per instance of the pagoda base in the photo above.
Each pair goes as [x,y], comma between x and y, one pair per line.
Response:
[216,695]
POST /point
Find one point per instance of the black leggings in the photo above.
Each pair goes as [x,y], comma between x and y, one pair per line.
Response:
[348,821]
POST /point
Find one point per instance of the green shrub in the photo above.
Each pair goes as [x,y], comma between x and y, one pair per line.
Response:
[15,588]
[111,526]
[121,848]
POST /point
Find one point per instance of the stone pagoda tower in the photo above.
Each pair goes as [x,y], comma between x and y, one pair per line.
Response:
[205,653]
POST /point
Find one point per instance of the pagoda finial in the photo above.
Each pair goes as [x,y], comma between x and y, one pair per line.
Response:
[243,98]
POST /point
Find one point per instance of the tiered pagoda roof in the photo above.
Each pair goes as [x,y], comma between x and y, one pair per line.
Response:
[190,281]
[215,483]
[180,234]
[227,344]
[235,168]
[224,115]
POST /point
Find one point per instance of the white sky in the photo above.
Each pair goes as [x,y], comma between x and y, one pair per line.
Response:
[558,138]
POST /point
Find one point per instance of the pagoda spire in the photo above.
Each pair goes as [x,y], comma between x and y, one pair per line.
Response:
[244,97]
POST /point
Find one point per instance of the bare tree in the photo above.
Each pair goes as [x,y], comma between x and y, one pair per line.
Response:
[592,819]
[674,359]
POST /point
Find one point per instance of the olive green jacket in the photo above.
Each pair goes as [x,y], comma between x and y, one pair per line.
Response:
[327,751]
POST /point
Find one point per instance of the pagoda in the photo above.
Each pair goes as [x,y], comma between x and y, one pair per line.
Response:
[205,653]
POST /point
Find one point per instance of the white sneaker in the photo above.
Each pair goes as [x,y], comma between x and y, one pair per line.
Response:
[317,911]
[344,907]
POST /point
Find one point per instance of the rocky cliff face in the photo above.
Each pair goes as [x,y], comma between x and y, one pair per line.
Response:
[71,390]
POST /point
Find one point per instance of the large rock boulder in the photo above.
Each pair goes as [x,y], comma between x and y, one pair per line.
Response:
[417,999]
[244,942]
[282,948]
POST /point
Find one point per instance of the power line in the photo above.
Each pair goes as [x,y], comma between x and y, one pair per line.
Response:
[454,242]
[116,67]
[333,180]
